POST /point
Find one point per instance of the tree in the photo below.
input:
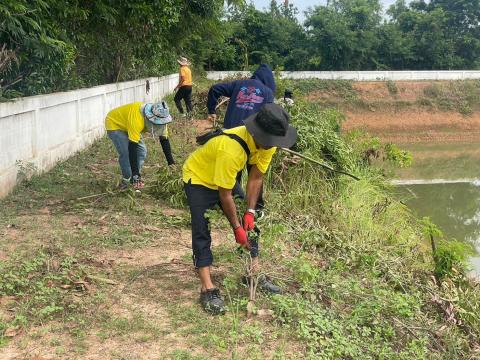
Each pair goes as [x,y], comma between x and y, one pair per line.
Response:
[344,34]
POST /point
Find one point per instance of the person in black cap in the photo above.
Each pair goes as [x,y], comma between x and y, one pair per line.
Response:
[209,175]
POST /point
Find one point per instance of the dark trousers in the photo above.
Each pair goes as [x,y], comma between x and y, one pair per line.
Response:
[200,199]
[184,92]
[260,203]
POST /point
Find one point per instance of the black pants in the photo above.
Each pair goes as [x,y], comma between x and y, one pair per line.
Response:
[260,202]
[184,92]
[200,199]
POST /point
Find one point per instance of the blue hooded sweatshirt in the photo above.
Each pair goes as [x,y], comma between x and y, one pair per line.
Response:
[246,96]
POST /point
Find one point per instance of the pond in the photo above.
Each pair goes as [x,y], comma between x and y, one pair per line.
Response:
[453,205]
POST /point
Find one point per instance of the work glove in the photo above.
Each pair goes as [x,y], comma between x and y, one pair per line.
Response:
[137,182]
[248,221]
[241,237]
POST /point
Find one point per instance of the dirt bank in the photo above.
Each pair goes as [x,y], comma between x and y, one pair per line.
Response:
[409,111]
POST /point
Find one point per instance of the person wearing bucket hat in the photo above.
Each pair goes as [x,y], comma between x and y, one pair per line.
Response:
[209,176]
[184,87]
[125,126]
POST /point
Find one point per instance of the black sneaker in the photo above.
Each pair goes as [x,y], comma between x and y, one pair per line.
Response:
[265,284]
[212,302]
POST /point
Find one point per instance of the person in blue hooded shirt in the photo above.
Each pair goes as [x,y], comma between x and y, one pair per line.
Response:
[246,96]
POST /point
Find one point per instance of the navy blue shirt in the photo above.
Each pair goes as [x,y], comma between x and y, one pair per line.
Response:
[246,96]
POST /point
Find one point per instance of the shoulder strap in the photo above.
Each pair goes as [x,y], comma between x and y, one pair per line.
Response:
[240,141]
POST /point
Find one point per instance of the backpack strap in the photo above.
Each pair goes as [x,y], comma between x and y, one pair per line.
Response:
[240,141]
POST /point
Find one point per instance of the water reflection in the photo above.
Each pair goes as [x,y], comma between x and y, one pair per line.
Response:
[454,207]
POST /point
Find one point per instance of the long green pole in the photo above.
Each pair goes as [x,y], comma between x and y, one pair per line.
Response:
[319,163]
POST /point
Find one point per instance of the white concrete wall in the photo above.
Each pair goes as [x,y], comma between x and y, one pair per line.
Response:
[41,130]
[361,75]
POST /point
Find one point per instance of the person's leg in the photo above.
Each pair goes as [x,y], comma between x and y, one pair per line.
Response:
[200,199]
[120,141]
[142,154]
[188,98]
[178,100]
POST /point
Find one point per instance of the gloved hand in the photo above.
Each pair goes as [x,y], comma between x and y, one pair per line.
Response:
[241,237]
[137,182]
[248,221]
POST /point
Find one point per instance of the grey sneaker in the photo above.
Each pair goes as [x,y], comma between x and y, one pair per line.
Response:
[265,284]
[212,302]
[124,184]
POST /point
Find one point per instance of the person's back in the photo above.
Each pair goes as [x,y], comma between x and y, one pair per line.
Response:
[246,96]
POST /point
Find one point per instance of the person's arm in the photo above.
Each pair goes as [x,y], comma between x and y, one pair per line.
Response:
[228,206]
[133,157]
[181,80]
[254,184]
[269,97]
[217,90]
[230,211]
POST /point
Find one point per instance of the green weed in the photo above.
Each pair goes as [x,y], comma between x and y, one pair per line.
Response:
[392,88]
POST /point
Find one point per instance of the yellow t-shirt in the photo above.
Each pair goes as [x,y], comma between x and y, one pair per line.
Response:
[127,118]
[186,73]
[217,163]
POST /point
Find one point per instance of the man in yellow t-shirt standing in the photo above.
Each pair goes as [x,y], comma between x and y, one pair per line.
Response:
[184,87]
[125,125]
[209,176]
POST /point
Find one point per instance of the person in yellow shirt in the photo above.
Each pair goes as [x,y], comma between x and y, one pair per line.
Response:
[209,176]
[125,125]
[184,87]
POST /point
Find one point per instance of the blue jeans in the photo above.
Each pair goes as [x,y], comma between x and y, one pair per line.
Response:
[120,140]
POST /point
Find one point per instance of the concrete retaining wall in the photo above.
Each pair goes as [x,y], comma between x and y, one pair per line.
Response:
[361,75]
[41,130]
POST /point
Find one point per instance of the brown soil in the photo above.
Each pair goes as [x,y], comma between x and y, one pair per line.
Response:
[412,124]
[416,125]
[407,90]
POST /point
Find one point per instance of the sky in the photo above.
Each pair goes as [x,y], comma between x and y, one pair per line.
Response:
[303,5]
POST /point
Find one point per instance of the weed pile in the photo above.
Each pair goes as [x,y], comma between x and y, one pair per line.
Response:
[360,275]
[364,273]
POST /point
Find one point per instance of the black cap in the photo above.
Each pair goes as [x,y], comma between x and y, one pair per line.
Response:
[269,127]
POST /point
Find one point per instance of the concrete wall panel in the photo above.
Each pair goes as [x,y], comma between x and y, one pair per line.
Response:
[15,138]
[90,113]
[56,125]
[44,129]
[362,75]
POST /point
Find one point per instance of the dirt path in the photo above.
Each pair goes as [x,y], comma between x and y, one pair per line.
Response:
[115,273]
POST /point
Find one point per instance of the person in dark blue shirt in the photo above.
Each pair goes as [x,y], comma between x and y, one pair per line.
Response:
[246,96]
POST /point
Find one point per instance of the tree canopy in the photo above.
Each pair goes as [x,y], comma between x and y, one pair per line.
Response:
[52,45]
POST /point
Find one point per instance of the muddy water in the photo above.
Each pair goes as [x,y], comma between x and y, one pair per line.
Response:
[454,206]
